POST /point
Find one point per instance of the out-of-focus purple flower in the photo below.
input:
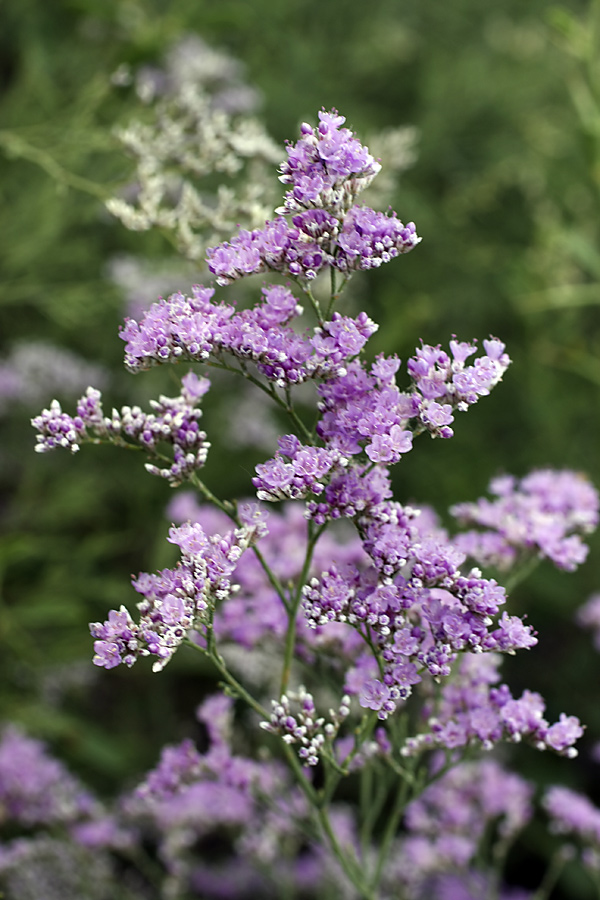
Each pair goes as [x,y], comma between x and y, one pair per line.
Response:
[545,513]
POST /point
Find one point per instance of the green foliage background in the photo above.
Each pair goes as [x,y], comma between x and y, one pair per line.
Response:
[506,194]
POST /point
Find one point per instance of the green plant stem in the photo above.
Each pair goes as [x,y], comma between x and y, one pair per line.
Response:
[550,878]
[290,638]
[16,146]
[211,653]
[370,806]
[349,865]
[286,405]
[521,572]
[230,510]
[400,802]
[314,303]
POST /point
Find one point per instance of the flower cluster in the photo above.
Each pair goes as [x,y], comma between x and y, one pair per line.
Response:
[472,709]
[176,601]
[327,167]
[303,727]
[314,240]
[174,421]
[326,170]
[302,475]
[195,329]
[445,383]
[414,608]
[543,513]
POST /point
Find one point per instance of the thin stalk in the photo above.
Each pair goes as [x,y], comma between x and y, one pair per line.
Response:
[230,679]
[350,866]
[270,391]
[550,878]
[521,573]
[290,638]
[400,802]
[19,147]
[230,510]
[314,304]
[370,807]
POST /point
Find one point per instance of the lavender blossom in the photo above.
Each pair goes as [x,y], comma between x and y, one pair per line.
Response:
[176,601]
[327,169]
[473,711]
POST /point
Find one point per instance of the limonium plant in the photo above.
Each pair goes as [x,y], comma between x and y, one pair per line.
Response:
[364,640]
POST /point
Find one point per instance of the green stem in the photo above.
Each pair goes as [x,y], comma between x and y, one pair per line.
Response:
[230,679]
[290,637]
[349,865]
[370,807]
[14,145]
[522,572]
[400,802]
[230,510]
[551,877]
[314,304]
[286,405]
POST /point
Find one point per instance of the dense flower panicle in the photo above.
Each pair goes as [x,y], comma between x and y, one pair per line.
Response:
[327,169]
[545,513]
[363,409]
[195,329]
[314,240]
[415,606]
[176,601]
[174,421]
[472,710]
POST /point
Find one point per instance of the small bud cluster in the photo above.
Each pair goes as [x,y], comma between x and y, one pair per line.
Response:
[445,383]
[302,727]
[302,475]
